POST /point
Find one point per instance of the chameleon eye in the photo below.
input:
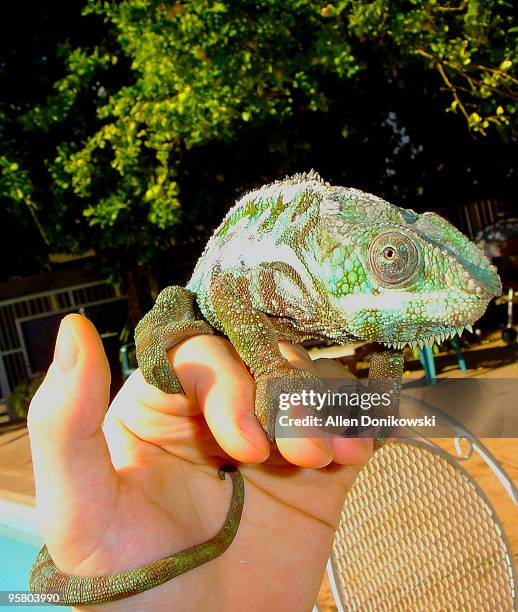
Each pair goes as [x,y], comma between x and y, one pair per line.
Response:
[394,259]
[389,253]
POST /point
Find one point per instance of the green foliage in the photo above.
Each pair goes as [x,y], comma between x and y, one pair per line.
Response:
[16,185]
[200,71]
[192,73]
[470,44]
[21,396]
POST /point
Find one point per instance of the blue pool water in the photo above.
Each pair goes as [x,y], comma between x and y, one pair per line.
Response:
[17,553]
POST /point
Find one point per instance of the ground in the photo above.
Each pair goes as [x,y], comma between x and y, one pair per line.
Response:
[491,359]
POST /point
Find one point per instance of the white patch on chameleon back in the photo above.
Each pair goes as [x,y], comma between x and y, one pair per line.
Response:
[261,249]
[244,248]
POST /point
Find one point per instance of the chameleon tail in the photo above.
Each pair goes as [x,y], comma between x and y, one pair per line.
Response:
[45,577]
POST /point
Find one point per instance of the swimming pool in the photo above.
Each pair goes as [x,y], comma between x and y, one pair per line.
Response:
[19,543]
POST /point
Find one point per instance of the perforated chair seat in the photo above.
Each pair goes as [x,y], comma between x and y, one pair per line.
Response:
[417,533]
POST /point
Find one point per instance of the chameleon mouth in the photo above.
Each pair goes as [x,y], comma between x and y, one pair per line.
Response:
[431,339]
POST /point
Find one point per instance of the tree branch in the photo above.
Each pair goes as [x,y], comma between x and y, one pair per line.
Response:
[449,85]
[461,7]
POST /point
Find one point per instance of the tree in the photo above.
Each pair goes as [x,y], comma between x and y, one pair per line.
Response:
[158,110]
[35,40]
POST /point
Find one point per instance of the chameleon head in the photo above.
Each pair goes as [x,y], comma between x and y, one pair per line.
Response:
[410,279]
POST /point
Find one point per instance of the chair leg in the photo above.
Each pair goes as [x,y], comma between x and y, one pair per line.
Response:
[427,360]
[460,357]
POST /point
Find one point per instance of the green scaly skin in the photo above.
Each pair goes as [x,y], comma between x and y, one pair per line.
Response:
[296,260]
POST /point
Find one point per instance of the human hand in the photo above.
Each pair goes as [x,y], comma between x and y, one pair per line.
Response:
[120,489]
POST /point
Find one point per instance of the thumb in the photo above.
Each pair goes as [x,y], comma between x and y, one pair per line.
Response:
[70,457]
[71,403]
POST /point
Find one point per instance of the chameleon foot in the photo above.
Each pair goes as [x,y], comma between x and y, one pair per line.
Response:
[271,385]
[171,320]
[386,371]
[45,577]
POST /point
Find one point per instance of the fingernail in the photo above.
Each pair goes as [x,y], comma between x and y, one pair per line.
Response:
[66,350]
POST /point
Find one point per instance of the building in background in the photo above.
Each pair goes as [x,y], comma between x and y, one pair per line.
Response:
[31,309]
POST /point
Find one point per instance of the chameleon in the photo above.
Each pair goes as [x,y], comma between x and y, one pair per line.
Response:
[294,260]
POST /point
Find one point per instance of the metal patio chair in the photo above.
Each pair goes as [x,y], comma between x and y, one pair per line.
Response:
[417,533]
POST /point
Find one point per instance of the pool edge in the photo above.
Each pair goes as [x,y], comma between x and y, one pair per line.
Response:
[17,512]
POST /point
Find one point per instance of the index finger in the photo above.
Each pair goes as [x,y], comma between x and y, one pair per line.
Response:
[215,379]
